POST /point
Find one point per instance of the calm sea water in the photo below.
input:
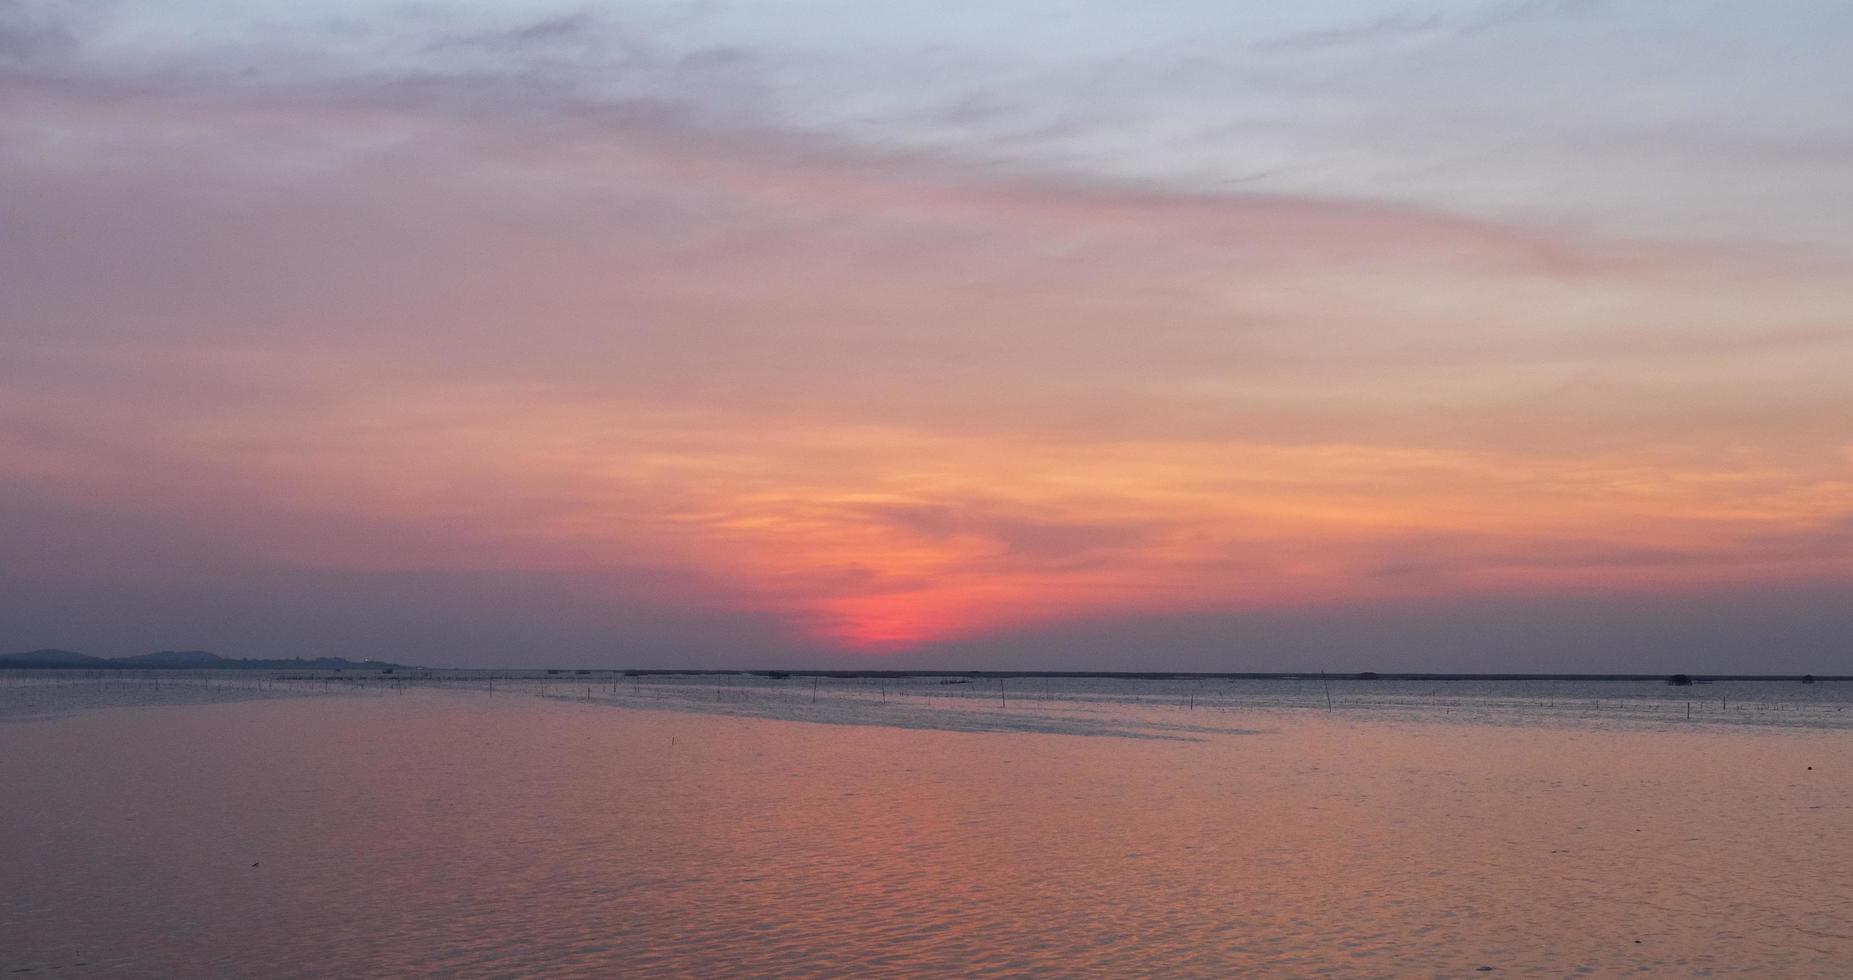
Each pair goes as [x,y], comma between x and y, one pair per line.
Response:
[756,827]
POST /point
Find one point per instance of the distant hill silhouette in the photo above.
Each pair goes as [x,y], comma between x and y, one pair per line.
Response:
[177,660]
[50,658]
[174,658]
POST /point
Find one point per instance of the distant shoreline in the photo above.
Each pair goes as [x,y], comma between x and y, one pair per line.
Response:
[1145,675]
[1130,675]
[342,665]
[167,660]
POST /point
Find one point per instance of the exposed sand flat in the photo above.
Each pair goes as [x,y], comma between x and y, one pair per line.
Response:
[1183,708]
[1073,705]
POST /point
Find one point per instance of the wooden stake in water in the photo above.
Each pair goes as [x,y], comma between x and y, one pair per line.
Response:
[1328,691]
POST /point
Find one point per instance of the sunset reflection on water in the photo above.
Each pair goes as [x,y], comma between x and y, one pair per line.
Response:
[436,832]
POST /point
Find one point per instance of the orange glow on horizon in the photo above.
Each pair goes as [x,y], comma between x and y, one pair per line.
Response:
[879,400]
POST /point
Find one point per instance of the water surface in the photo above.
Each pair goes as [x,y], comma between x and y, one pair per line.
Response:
[442,829]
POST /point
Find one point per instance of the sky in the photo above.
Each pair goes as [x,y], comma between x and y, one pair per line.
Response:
[1508,335]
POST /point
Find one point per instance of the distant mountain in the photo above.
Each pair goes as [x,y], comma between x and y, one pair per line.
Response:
[49,658]
[178,659]
[173,658]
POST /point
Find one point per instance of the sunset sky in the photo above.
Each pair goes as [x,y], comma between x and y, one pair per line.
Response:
[1336,334]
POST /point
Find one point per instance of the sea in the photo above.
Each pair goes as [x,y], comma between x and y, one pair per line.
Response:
[536,824]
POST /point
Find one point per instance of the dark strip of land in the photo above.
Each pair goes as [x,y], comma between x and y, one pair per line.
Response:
[1144,675]
[200,660]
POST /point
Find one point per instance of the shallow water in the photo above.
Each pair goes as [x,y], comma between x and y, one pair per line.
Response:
[35,695]
[685,829]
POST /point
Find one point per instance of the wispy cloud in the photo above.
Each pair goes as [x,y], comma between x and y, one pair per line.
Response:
[578,26]
[1382,28]
[31,30]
